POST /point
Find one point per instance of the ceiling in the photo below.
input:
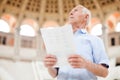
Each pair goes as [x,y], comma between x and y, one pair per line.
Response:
[55,10]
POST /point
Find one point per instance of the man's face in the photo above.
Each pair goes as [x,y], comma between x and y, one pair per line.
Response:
[76,15]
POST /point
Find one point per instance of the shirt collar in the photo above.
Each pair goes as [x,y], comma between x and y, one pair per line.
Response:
[81,31]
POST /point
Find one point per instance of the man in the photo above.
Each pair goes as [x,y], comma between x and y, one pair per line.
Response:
[90,59]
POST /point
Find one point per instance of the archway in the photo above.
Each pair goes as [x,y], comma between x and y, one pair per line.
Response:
[28,27]
[4,27]
[95,27]
[113,22]
[11,21]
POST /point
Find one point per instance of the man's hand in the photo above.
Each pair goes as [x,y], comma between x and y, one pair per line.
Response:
[50,60]
[76,61]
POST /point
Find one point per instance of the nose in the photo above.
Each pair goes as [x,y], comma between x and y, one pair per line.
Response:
[71,13]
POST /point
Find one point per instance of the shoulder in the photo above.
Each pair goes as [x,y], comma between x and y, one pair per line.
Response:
[94,38]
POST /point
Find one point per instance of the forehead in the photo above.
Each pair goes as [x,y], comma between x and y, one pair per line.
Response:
[79,7]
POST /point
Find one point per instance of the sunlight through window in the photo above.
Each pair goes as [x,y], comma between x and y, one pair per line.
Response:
[97,30]
[4,27]
[27,30]
[117,28]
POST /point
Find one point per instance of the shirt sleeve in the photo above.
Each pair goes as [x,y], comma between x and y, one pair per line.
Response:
[98,51]
[57,68]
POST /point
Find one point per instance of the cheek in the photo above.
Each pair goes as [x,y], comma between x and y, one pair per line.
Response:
[75,18]
[82,18]
[79,17]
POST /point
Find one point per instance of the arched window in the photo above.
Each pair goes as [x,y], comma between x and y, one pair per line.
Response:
[27,30]
[4,27]
[97,30]
[117,28]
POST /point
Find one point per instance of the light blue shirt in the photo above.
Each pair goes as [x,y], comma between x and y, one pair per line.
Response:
[89,47]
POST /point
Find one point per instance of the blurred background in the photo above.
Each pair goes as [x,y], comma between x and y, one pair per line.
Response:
[21,45]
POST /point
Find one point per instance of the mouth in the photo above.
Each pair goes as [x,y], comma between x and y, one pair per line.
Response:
[71,17]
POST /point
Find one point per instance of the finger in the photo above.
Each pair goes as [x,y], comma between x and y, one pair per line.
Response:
[75,65]
[74,56]
[50,56]
[50,63]
[73,60]
[50,60]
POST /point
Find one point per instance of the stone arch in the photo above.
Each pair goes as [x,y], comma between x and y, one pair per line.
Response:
[112,21]
[94,21]
[11,20]
[32,23]
[4,26]
[95,24]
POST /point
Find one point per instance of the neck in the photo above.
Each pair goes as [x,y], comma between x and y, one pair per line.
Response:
[77,26]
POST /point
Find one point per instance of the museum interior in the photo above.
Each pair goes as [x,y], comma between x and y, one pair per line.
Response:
[20,24]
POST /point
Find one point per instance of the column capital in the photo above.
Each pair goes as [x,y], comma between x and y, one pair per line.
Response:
[104,29]
[38,32]
[17,29]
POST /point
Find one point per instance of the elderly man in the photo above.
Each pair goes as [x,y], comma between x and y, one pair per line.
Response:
[90,59]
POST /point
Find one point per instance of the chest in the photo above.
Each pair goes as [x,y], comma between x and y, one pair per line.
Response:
[83,47]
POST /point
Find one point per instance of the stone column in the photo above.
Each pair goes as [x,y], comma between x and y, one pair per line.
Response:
[104,28]
[105,36]
[17,41]
[39,46]
[42,12]
[60,8]
[38,43]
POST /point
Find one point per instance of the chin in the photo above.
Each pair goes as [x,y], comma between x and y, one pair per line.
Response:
[71,22]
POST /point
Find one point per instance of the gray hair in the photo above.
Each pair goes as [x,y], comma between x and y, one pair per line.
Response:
[86,11]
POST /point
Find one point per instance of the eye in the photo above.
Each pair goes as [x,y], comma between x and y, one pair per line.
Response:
[76,10]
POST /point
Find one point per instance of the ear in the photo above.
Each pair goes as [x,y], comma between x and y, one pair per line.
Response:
[86,16]
[86,19]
